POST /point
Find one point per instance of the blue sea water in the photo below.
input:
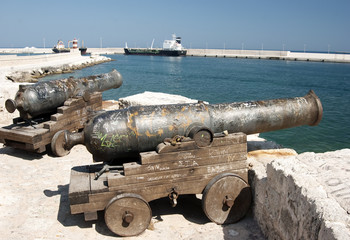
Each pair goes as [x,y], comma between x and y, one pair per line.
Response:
[219,80]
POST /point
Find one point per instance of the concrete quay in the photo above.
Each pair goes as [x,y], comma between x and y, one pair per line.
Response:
[253,54]
[49,50]
[271,55]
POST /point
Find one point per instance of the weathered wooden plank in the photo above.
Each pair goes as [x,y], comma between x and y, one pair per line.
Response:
[62,117]
[81,185]
[69,109]
[73,101]
[103,196]
[40,149]
[87,207]
[231,139]
[153,157]
[136,168]
[19,145]
[70,123]
[25,146]
[73,124]
[25,135]
[99,185]
[189,145]
[173,175]
[79,180]
[81,111]
[80,100]
[186,185]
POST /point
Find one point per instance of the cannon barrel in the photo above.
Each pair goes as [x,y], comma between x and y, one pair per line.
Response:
[45,96]
[111,135]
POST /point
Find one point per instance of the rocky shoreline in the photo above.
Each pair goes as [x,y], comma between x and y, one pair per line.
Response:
[16,70]
[32,76]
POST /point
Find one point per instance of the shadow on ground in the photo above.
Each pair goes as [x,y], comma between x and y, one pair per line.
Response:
[19,153]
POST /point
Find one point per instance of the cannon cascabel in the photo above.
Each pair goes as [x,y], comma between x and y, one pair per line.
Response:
[45,96]
[113,134]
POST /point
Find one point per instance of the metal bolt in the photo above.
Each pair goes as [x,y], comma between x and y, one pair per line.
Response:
[228,201]
[128,217]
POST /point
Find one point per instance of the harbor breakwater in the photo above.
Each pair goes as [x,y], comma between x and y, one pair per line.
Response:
[19,69]
[254,54]
[273,55]
[30,68]
[225,53]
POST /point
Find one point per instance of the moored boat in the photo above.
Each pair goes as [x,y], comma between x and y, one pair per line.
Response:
[170,48]
[59,47]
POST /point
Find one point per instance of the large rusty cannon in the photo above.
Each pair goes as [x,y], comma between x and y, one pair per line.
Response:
[45,96]
[174,150]
[112,135]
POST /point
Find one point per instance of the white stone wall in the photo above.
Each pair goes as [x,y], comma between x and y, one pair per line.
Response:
[292,199]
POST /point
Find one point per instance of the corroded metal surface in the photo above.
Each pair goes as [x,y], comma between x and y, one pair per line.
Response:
[141,128]
[45,96]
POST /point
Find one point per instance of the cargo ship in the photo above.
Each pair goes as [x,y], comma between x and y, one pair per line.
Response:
[170,48]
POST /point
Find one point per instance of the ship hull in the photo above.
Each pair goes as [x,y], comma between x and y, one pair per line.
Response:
[154,52]
[83,50]
[62,50]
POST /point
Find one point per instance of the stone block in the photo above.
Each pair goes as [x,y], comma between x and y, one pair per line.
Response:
[302,197]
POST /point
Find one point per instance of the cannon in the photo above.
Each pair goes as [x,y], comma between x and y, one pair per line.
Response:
[114,134]
[45,96]
[48,107]
[152,152]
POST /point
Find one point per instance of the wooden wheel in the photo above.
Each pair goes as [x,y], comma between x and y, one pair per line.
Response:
[58,144]
[226,198]
[128,214]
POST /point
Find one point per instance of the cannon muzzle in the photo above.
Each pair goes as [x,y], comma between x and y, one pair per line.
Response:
[113,134]
[45,96]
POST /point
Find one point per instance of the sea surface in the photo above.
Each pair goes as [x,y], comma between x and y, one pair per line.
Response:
[219,80]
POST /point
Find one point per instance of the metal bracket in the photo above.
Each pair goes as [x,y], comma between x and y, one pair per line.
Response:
[106,168]
[175,140]
[173,195]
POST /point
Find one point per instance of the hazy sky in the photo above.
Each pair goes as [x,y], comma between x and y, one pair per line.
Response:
[316,25]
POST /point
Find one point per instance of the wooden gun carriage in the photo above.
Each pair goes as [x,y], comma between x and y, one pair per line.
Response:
[219,171]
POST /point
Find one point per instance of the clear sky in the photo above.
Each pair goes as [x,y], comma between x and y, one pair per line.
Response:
[316,25]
